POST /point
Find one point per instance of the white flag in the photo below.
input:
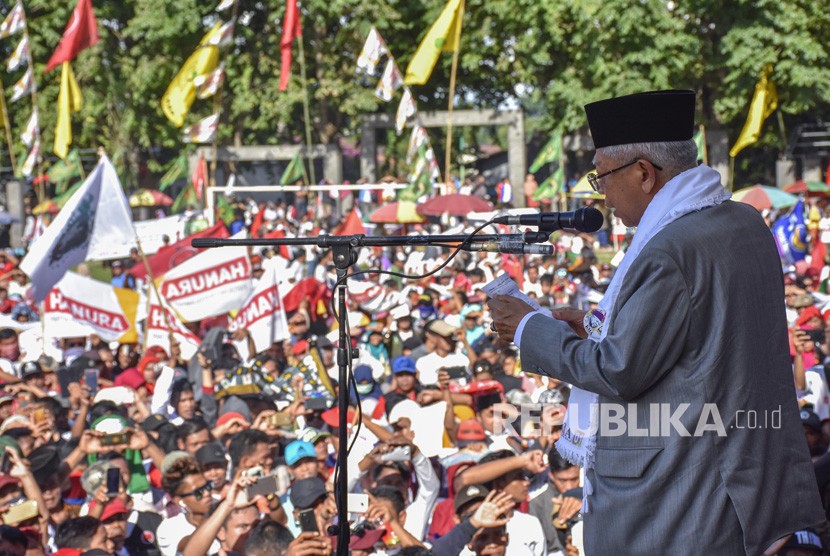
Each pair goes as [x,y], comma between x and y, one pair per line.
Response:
[390,81]
[373,49]
[159,327]
[224,5]
[262,314]
[14,22]
[31,159]
[32,130]
[208,85]
[203,131]
[406,109]
[210,283]
[222,36]
[20,55]
[23,85]
[373,298]
[109,311]
[95,218]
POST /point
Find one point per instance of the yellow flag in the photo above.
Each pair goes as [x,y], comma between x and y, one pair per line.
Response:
[181,92]
[69,100]
[443,35]
[764,103]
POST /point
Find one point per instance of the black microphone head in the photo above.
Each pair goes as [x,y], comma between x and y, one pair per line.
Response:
[588,220]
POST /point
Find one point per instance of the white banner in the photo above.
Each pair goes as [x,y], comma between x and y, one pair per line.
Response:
[157,329]
[211,283]
[108,311]
[262,313]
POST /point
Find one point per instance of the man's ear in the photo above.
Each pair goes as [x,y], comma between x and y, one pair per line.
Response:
[648,177]
[402,517]
[180,444]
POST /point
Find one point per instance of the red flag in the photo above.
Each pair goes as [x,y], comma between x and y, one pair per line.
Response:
[353,225]
[199,177]
[827,174]
[818,253]
[177,253]
[285,250]
[81,32]
[307,289]
[291,29]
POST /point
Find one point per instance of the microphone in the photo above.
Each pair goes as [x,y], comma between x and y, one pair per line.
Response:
[587,219]
[511,246]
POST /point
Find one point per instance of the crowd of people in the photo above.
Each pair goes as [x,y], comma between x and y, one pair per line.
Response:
[132,450]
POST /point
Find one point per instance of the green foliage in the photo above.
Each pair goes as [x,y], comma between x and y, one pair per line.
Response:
[548,57]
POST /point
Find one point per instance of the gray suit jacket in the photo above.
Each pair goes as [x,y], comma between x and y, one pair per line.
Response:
[698,333]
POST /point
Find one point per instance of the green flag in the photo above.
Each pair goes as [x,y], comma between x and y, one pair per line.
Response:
[224,210]
[63,171]
[176,171]
[294,171]
[551,186]
[420,179]
[185,199]
[551,152]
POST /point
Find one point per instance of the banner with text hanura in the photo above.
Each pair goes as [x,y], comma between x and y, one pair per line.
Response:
[162,322]
[211,283]
[262,314]
[109,312]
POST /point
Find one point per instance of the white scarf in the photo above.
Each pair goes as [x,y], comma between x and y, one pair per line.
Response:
[687,192]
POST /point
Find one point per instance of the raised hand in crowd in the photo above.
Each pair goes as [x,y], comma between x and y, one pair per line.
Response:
[309,544]
[494,511]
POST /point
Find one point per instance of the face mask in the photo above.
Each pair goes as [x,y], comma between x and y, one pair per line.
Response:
[364,389]
[72,353]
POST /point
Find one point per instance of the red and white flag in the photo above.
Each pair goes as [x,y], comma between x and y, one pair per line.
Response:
[108,312]
[32,130]
[203,131]
[373,49]
[14,23]
[20,55]
[223,35]
[23,85]
[390,81]
[158,328]
[208,85]
[262,314]
[31,159]
[211,283]
[406,109]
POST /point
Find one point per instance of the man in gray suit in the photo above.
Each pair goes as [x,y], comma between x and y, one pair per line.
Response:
[696,444]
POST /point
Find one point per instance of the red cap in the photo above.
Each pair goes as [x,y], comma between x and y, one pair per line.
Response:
[471,430]
[332,416]
[6,480]
[132,378]
[150,359]
[232,415]
[808,313]
[300,347]
[113,507]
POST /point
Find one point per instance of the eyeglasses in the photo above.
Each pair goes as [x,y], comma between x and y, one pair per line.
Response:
[200,492]
[593,177]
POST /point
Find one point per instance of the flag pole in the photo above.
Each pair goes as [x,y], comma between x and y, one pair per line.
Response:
[8,126]
[731,173]
[41,189]
[217,109]
[451,102]
[306,113]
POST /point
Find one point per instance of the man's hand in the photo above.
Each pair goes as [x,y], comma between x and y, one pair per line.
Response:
[534,461]
[493,511]
[507,313]
[569,508]
[309,544]
[383,510]
[138,439]
[574,317]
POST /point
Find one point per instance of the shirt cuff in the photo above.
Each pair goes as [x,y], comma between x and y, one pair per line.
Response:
[518,335]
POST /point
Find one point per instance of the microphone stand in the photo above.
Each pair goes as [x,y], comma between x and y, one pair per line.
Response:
[344,250]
